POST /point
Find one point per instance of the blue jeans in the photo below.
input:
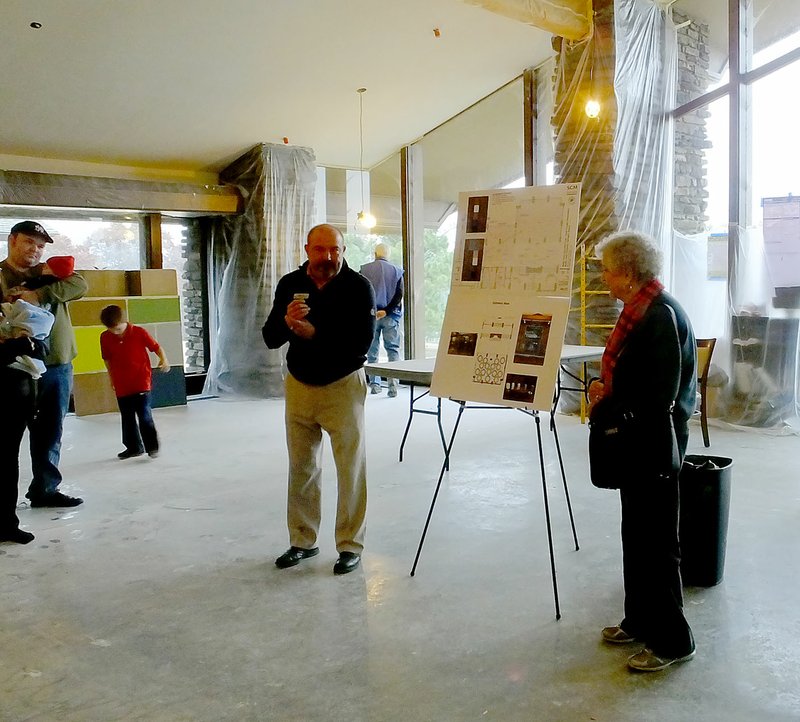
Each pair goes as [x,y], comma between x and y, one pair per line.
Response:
[52,403]
[389,326]
[142,436]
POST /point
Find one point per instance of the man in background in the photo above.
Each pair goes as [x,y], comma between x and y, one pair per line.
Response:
[26,244]
[325,311]
[387,280]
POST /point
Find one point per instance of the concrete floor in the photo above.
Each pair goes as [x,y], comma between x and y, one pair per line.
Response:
[158,599]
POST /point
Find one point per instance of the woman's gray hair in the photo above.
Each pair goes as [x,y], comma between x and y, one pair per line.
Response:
[633,252]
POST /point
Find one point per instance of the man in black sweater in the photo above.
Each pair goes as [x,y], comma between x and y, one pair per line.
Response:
[326,313]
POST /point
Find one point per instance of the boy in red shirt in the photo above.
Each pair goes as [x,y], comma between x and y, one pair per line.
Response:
[124,349]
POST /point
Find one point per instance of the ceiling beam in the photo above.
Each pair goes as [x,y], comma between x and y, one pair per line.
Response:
[21,188]
[571,19]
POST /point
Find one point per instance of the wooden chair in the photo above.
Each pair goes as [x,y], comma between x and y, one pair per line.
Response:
[705,347]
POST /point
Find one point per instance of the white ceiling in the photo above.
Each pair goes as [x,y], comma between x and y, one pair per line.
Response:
[191,84]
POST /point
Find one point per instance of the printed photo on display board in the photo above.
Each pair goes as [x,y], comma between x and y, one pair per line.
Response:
[506,351]
[507,311]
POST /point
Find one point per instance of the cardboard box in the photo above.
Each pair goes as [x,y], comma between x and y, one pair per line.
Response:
[104,284]
[86,311]
[93,394]
[153,282]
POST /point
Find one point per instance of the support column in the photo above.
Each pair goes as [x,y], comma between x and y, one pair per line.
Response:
[529,113]
[152,255]
[413,224]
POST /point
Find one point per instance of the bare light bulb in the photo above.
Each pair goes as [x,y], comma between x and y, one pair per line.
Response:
[592,108]
[366,219]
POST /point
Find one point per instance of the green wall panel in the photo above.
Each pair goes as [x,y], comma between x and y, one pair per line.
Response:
[153,310]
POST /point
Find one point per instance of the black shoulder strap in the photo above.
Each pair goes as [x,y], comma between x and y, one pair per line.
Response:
[678,338]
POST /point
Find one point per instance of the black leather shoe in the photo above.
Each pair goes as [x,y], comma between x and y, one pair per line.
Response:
[293,556]
[55,499]
[128,454]
[346,562]
[18,536]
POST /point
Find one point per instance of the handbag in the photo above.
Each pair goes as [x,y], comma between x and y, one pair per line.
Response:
[611,440]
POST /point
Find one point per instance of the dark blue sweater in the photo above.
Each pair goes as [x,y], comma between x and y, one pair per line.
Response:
[343,315]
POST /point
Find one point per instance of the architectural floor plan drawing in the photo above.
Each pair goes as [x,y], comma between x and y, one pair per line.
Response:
[517,239]
[509,296]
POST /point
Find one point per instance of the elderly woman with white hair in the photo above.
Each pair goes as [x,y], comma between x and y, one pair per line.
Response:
[648,371]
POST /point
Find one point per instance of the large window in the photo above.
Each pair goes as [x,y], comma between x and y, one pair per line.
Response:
[703,45]
[95,243]
[483,147]
[776,146]
[775,30]
[747,241]
[180,245]
[382,198]
[115,243]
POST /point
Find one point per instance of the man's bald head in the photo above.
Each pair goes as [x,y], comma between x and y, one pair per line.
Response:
[325,229]
[325,250]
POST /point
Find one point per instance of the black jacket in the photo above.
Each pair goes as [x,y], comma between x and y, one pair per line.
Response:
[343,314]
[22,346]
[656,367]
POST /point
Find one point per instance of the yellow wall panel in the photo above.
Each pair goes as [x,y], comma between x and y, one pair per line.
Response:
[89,359]
[86,311]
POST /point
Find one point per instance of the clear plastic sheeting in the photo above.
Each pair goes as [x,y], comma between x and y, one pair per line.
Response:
[248,255]
[754,379]
[753,316]
[763,341]
[644,83]
[583,153]
[622,154]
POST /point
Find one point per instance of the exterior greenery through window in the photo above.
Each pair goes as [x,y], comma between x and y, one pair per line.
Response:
[438,264]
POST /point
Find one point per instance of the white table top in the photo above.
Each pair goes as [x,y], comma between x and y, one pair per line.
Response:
[420,370]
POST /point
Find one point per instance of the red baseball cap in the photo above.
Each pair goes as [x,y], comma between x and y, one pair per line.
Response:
[61,266]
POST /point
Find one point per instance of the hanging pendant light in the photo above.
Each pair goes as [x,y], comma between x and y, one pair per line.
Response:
[592,108]
[364,218]
[593,105]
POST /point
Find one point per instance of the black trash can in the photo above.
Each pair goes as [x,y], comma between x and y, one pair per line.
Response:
[705,493]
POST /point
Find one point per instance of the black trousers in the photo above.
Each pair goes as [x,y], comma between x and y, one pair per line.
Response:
[138,428]
[651,563]
[18,391]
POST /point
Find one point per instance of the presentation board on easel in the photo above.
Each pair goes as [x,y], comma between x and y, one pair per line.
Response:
[510,291]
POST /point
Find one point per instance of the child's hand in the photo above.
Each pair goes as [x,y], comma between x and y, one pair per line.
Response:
[164,367]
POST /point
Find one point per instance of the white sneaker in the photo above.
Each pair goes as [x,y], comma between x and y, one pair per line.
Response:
[374,388]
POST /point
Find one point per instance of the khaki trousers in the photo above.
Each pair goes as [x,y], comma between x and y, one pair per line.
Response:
[338,409]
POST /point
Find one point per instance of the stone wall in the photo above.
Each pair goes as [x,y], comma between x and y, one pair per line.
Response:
[691,135]
[192,298]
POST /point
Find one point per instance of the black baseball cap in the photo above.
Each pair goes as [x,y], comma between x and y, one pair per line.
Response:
[33,229]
